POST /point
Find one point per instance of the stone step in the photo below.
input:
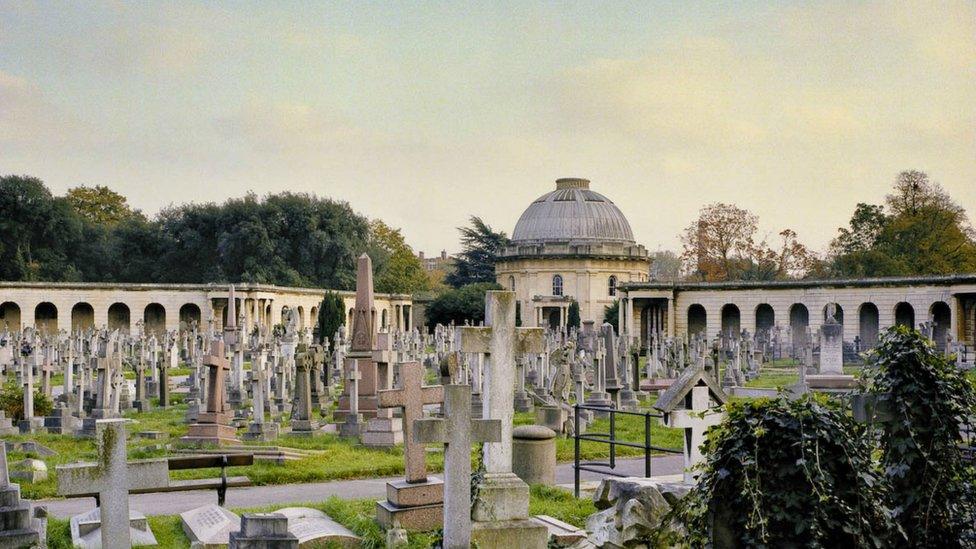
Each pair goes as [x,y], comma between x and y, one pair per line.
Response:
[21,537]
[15,517]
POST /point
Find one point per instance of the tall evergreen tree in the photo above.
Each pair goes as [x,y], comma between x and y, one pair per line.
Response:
[480,246]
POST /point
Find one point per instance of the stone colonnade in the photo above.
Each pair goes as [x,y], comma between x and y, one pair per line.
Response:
[865,307]
[161,307]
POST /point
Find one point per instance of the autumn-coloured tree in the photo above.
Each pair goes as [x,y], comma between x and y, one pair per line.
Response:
[722,245]
[401,271]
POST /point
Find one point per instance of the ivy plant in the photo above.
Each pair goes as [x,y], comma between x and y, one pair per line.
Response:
[781,472]
[928,403]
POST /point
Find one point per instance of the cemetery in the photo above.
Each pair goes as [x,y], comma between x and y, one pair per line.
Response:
[755,326]
[255,428]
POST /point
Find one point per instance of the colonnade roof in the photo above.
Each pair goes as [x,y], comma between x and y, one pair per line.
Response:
[947,280]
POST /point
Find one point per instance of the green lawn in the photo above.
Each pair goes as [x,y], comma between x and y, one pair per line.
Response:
[341,459]
[357,515]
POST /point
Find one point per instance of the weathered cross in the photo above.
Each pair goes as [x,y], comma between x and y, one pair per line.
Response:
[411,397]
[503,341]
[457,431]
[216,363]
[112,477]
[692,403]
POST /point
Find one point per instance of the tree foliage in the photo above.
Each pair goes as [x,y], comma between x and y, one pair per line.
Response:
[99,204]
[722,244]
[12,402]
[611,314]
[573,315]
[929,402]
[480,246]
[459,305]
[288,239]
[332,314]
[920,230]
[399,271]
[787,473]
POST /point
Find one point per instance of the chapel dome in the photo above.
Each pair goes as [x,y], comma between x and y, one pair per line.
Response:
[572,212]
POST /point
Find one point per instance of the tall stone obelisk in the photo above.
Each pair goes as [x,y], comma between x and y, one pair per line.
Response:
[361,346]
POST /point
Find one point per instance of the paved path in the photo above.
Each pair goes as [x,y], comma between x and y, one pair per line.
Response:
[173,503]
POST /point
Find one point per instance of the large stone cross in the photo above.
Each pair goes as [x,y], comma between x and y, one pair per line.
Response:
[695,421]
[112,478]
[216,363]
[411,397]
[503,341]
[457,431]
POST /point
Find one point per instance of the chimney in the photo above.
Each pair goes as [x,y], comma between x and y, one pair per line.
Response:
[444,255]
[420,255]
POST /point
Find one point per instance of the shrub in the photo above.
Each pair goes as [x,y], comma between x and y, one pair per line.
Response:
[465,303]
[12,402]
[929,402]
[787,473]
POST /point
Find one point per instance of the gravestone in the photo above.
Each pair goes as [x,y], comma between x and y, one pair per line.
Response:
[213,426]
[353,423]
[457,431]
[314,527]
[501,510]
[263,531]
[112,478]
[18,525]
[831,375]
[415,502]
[692,403]
[302,423]
[209,525]
[362,344]
[86,530]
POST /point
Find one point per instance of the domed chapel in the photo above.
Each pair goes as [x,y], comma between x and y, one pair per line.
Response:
[570,244]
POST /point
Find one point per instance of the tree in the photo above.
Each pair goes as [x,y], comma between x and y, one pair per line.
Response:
[573,315]
[480,246]
[611,314]
[722,245]
[459,305]
[99,204]
[332,314]
[41,233]
[919,231]
[400,271]
[665,266]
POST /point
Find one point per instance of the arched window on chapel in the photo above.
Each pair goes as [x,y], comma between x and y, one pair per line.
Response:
[612,286]
[557,285]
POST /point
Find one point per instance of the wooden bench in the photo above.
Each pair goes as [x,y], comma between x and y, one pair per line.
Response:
[183,463]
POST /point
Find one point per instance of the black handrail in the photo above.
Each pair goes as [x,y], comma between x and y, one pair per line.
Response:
[607,468]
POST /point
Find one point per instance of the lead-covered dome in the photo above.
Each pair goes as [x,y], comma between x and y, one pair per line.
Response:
[572,212]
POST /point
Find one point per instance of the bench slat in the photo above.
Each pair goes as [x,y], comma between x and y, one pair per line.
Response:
[184,486]
[177,463]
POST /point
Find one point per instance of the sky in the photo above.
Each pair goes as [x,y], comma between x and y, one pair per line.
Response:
[423,114]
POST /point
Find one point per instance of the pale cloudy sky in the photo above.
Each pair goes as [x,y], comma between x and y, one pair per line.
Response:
[425,113]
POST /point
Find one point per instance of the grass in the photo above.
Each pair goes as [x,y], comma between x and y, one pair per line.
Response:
[357,515]
[777,375]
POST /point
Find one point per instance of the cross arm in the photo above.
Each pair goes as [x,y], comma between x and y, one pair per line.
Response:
[529,340]
[85,478]
[474,339]
[486,430]
[430,431]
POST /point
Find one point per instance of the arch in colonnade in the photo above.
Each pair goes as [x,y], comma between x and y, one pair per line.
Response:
[349,321]
[905,315]
[868,319]
[697,320]
[190,313]
[799,321]
[82,316]
[154,319]
[383,319]
[765,317]
[301,317]
[838,315]
[941,314]
[731,320]
[119,317]
[10,315]
[46,317]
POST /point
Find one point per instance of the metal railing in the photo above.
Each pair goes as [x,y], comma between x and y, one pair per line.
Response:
[610,438]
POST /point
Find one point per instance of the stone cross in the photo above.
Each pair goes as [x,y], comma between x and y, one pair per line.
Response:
[112,478]
[457,431]
[216,363]
[4,477]
[411,397]
[503,341]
